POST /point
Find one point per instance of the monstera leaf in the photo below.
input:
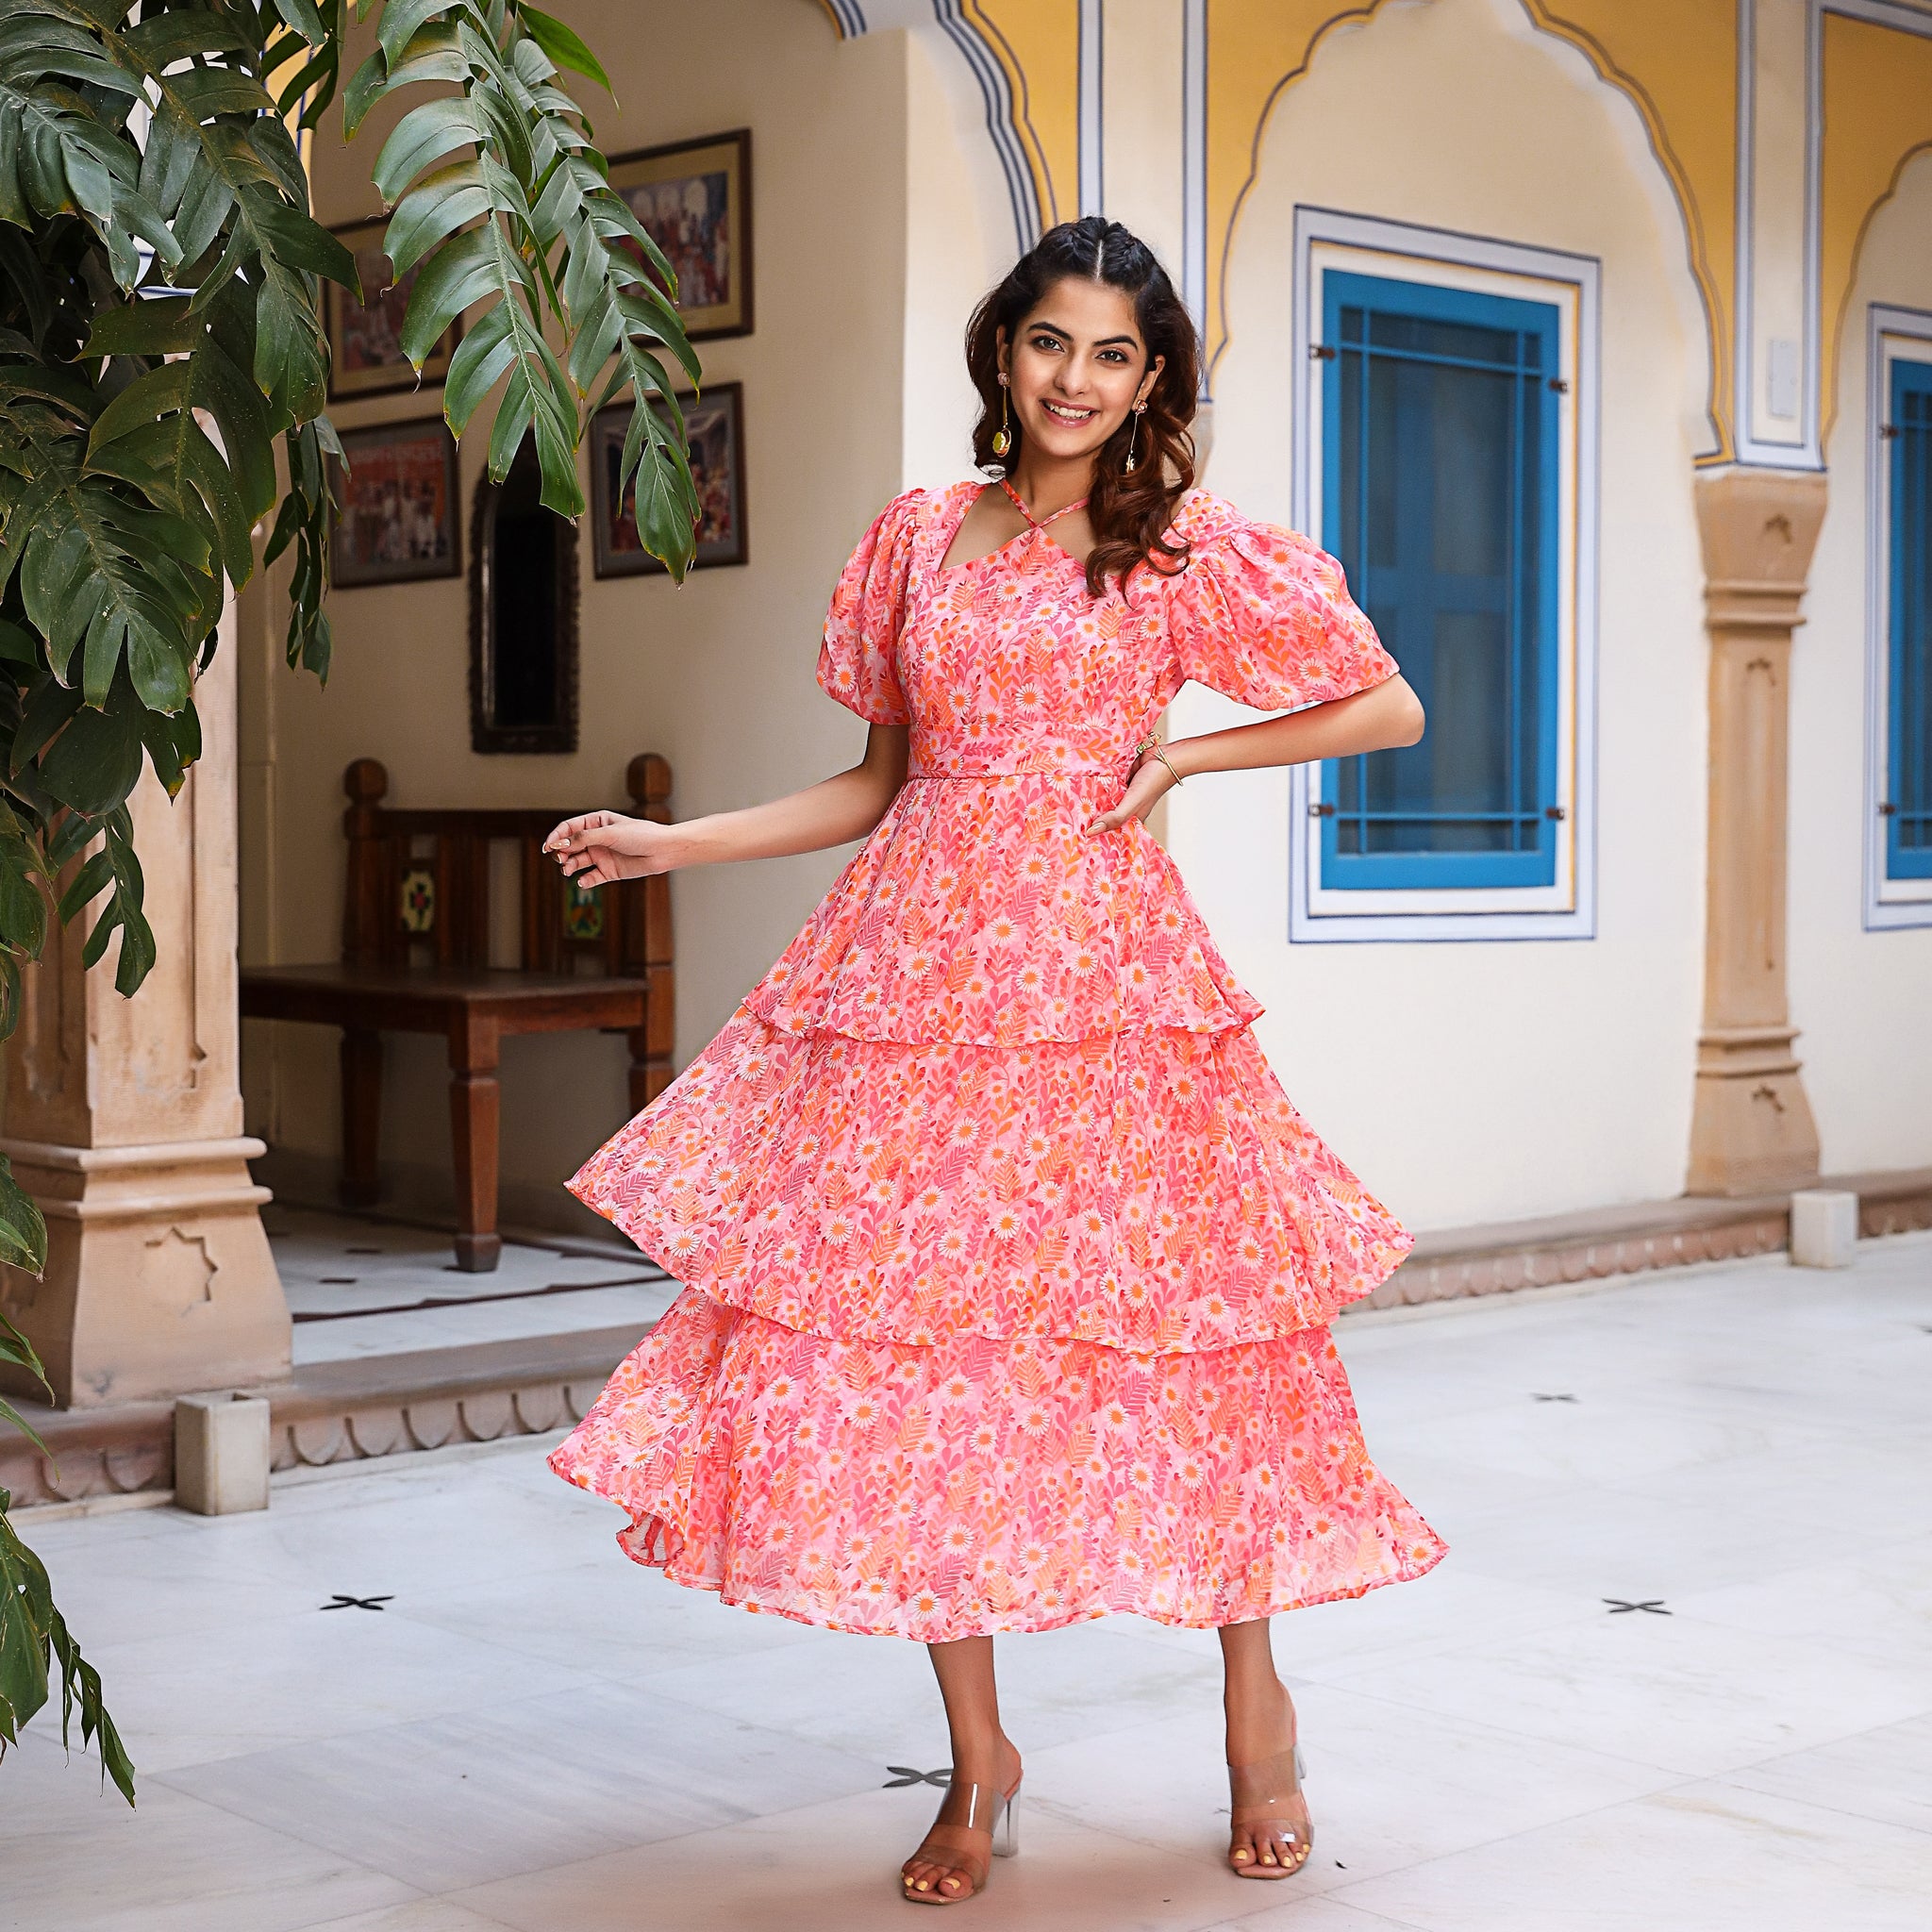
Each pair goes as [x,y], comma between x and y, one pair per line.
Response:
[161,279]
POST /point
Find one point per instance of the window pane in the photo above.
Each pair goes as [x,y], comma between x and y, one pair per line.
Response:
[1910,826]
[1437,432]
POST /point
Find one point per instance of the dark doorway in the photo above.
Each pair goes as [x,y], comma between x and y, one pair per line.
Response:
[523,617]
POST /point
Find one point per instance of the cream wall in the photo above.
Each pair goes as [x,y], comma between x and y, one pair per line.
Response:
[716,674]
[1476,1081]
[959,243]
[1863,999]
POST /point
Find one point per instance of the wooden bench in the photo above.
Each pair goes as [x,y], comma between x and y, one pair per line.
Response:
[417,933]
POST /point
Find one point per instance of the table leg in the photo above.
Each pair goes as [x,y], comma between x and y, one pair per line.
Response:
[361,1061]
[473,1106]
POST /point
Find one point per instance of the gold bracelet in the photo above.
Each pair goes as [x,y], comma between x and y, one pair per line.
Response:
[1155,748]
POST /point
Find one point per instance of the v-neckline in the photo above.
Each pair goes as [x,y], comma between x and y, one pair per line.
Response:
[942,568]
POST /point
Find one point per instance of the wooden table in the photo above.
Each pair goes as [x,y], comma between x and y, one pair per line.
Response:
[416,939]
[472,1011]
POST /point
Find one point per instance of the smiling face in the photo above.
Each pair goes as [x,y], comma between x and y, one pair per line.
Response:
[1076,365]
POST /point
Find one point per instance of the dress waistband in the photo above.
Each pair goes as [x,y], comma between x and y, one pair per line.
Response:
[1114,769]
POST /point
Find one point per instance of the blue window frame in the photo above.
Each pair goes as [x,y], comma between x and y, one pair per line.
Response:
[1440,498]
[1908,707]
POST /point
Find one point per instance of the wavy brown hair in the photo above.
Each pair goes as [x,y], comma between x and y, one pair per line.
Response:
[1130,513]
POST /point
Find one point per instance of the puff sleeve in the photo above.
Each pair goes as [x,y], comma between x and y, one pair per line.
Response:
[856,658]
[1264,616]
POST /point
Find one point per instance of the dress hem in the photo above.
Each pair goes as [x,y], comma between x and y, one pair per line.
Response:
[653,1526]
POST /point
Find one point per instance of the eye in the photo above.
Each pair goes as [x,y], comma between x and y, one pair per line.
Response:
[1045,341]
[1115,355]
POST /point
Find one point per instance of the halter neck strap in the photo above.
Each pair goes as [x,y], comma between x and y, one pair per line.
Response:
[1040,523]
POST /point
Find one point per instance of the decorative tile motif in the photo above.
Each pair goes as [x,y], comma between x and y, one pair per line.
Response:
[1653,1604]
[583,913]
[416,900]
[905,1775]
[340,1602]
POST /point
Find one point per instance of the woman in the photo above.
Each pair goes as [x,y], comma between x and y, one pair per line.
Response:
[1009,1265]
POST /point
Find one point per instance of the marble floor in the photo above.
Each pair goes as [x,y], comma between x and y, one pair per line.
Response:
[361,1285]
[1675,1676]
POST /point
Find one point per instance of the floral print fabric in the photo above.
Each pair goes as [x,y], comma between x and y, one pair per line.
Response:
[1007,1263]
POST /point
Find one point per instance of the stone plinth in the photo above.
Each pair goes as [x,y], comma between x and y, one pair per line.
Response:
[123,1120]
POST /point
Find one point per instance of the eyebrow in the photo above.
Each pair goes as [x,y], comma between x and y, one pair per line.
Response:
[1105,343]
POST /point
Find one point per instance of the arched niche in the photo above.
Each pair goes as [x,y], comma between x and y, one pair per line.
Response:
[523,617]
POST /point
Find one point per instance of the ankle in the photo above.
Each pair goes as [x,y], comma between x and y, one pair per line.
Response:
[982,1754]
[1260,1719]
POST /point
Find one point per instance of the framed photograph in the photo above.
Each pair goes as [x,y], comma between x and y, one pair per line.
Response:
[693,200]
[714,432]
[399,504]
[365,338]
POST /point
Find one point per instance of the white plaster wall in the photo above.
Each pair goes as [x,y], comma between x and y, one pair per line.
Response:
[959,243]
[1477,1081]
[717,674]
[1863,999]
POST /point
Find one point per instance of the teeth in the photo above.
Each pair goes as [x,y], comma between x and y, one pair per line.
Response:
[1066,415]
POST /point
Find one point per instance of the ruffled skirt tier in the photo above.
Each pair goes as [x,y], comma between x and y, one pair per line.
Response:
[1147,1190]
[994,1484]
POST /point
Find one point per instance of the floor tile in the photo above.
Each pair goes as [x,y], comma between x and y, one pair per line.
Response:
[610,1615]
[72,1859]
[423,1915]
[1388,1785]
[834,1867]
[524,1785]
[1657,1689]
[1885,1774]
[321,1674]
[1704,1857]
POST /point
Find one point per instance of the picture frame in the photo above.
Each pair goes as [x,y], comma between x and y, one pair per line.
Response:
[714,434]
[398,499]
[365,353]
[693,199]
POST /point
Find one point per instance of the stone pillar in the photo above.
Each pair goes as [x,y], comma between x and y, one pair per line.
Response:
[123,1120]
[1751,1126]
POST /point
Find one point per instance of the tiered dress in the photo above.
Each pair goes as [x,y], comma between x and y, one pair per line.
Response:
[1007,1266]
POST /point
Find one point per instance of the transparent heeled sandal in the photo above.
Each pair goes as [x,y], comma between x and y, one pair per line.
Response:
[987,1809]
[1260,1794]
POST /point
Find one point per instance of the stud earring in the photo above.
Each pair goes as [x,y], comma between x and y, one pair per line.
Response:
[1133,442]
[1003,435]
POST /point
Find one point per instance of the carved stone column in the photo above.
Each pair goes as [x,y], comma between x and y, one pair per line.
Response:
[1751,1126]
[123,1120]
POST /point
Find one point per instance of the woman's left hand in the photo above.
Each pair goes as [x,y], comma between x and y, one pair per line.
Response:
[1149,782]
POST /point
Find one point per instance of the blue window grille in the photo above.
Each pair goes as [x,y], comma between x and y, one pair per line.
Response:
[1909,709]
[1439,497]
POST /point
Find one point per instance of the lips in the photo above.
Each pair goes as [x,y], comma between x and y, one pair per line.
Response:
[1073,418]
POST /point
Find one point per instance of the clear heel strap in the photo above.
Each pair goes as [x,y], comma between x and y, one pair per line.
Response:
[1005,1834]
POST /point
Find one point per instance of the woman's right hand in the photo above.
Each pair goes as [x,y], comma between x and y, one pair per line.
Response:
[597,848]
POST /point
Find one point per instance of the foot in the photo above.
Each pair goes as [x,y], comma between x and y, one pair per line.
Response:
[952,1860]
[1270,1832]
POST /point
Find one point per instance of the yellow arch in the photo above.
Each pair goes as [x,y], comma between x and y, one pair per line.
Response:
[1878,96]
[1037,44]
[1676,64]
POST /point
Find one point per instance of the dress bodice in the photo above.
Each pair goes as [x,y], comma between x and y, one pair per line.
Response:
[980,910]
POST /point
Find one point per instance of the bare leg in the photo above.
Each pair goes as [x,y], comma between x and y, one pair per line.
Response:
[982,1752]
[1261,1721]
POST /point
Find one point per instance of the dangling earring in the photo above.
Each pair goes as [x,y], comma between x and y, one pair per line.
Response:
[1133,442]
[1003,435]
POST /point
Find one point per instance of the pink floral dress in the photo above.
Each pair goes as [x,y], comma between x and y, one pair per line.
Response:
[1007,1264]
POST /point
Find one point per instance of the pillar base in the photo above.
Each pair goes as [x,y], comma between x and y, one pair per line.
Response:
[158,1278]
[1751,1126]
